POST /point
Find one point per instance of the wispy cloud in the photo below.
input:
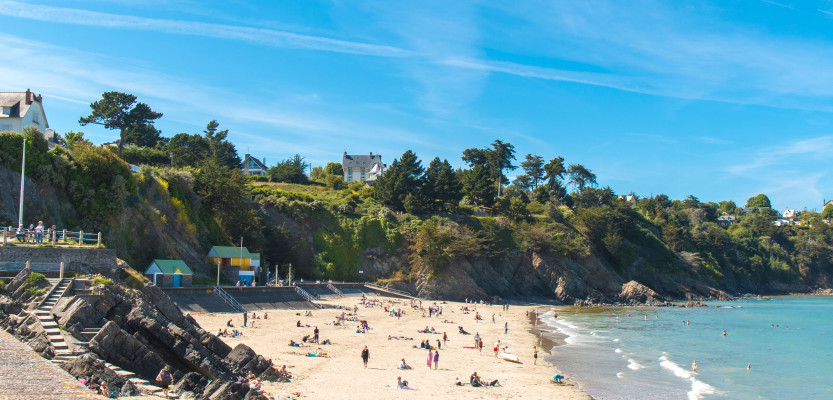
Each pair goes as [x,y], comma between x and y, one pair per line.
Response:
[786,154]
[266,37]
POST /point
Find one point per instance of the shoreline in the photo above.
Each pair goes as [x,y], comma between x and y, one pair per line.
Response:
[342,375]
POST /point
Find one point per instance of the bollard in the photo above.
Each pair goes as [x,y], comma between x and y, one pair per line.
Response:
[54,237]
[98,245]
[61,271]
[4,236]
[27,264]
[80,238]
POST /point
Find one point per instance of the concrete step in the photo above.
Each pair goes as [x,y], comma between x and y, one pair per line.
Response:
[125,374]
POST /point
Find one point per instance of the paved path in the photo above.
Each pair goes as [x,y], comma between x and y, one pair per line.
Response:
[24,374]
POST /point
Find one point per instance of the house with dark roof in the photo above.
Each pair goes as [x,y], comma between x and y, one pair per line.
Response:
[362,168]
[235,262]
[19,110]
[170,273]
[253,167]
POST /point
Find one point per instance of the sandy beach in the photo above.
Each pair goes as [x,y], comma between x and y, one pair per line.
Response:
[341,375]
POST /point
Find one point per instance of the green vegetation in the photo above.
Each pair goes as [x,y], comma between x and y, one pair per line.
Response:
[35,284]
[2,286]
[191,194]
[100,281]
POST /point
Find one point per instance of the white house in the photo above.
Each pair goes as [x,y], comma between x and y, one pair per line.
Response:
[19,110]
[791,213]
[253,167]
[362,168]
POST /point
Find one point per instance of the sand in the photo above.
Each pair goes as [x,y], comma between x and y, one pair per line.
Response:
[341,375]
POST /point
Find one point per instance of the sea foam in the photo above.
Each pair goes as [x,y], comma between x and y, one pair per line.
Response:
[698,388]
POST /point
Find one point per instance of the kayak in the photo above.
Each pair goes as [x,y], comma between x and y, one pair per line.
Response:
[469,347]
[509,357]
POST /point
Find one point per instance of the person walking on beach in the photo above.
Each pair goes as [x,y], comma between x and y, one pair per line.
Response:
[164,377]
[365,356]
[476,338]
[245,318]
[506,328]
[535,355]
[430,358]
[445,337]
[436,359]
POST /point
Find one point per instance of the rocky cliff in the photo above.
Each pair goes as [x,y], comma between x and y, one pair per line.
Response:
[141,330]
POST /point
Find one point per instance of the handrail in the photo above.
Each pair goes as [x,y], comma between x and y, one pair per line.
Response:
[64,237]
[228,299]
[335,289]
[307,296]
[399,292]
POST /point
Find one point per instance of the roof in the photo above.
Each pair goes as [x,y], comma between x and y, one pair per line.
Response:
[230,252]
[255,160]
[17,101]
[360,161]
[171,267]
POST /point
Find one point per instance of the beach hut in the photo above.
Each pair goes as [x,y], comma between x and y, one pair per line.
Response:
[237,263]
[170,273]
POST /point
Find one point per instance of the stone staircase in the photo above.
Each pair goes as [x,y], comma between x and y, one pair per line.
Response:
[141,384]
[44,315]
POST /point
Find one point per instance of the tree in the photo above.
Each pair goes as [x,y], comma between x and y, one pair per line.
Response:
[403,177]
[727,207]
[501,157]
[827,213]
[120,111]
[144,135]
[533,167]
[188,150]
[222,150]
[442,188]
[223,192]
[581,176]
[290,170]
[477,185]
[333,168]
[760,200]
[554,171]
[70,138]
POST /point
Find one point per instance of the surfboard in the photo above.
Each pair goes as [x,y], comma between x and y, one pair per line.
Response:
[509,357]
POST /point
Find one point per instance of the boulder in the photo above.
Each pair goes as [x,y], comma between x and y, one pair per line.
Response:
[89,366]
[634,292]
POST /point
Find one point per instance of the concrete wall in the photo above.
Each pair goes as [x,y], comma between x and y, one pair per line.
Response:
[77,260]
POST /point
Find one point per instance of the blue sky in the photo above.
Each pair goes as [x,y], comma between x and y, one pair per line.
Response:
[719,99]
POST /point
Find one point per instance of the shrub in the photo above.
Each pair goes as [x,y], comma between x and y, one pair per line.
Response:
[101,281]
[2,286]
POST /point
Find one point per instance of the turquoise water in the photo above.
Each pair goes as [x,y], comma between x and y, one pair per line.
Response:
[634,358]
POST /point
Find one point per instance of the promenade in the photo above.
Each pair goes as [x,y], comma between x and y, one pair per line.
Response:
[24,374]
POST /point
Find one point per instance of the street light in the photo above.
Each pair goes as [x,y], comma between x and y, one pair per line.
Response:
[22,179]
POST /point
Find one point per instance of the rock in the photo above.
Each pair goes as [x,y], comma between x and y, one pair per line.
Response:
[190,382]
[241,355]
[87,365]
[230,391]
[635,292]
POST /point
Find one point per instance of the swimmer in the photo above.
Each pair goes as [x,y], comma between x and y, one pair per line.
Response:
[748,366]
[646,317]
[724,333]
[694,366]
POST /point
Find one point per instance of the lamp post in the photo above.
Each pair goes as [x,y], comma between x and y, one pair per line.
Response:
[289,275]
[240,261]
[22,179]
[218,270]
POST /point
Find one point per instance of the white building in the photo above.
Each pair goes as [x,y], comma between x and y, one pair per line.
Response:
[253,167]
[19,110]
[791,213]
[361,168]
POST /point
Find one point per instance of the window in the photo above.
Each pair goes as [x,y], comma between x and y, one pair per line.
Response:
[35,118]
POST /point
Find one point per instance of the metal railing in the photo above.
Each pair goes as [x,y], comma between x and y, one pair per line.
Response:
[307,296]
[399,292]
[335,289]
[56,237]
[228,299]
[33,266]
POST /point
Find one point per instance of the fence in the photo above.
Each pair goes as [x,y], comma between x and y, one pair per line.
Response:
[399,292]
[56,237]
[228,299]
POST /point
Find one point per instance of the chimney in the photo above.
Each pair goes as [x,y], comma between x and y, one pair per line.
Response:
[371,154]
[28,96]
[264,161]
[39,99]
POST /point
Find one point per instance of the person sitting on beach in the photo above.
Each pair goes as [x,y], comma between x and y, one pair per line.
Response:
[457,382]
[558,378]
[284,373]
[293,344]
[298,324]
[475,380]
[403,365]
[463,331]
[229,324]
[326,341]
[305,338]
[400,384]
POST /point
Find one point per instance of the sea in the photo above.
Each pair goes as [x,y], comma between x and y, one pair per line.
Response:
[778,348]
